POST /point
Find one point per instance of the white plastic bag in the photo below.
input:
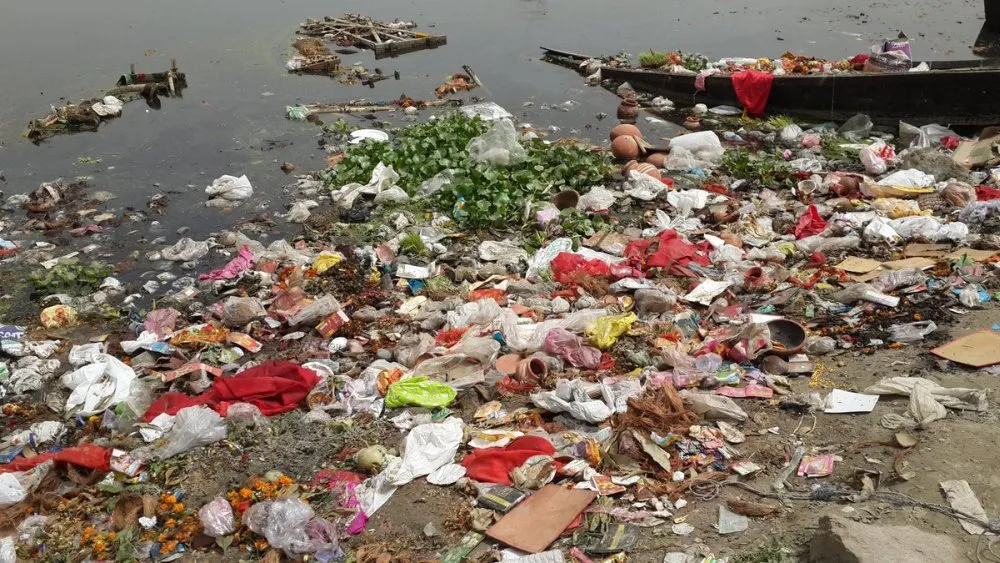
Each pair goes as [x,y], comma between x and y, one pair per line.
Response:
[713,407]
[598,198]
[643,187]
[185,250]
[703,145]
[498,146]
[879,231]
[687,201]
[193,427]
[383,178]
[911,178]
[427,448]
[874,164]
[98,386]
[231,188]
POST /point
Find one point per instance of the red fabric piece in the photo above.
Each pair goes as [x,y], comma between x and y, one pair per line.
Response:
[87,455]
[986,193]
[669,251]
[810,223]
[753,88]
[817,259]
[493,465]
[950,142]
[566,264]
[273,387]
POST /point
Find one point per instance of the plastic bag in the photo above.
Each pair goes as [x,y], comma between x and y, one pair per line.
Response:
[790,133]
[606,330]
[820,345]
[574,398]
[643,187]
[896,208]
[568,267]
[482,312]
[185,250]
[911,178]
[315,311]
[498,146]
[703,145]
[856,127]
[570,347]
[810,223]
[283,522]
[194,427]
[161,322]
[874,157]
[879,230]
[911,332]
[383,178]
[98,386]
[895,279]
[864,292]
[231,188]
[58,316]
[713,407]
[240,311]
[419,392]
[687,201]
[598,198]
[216,518]
[428,447]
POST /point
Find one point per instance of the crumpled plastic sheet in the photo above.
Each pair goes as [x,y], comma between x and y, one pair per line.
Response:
[570,347]
[216,518]
[109,105]
[958,398]
[427,448]
[541,260]
[283,523]
[230,189]
[193,427]
[574,397]
[930,228]
[598,198]
[383,178]
[419,392]
[16,485]
[185,250]
[501,251]
[643,186]
[98,386]
[161,322]
[606,330]
[30,374]
[234,268]
[498,146]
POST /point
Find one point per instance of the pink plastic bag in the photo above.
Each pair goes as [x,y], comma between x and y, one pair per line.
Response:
[570,347]
[233,269]
[161,321]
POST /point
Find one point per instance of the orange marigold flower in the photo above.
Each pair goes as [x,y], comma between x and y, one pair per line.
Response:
[246,494]
[260,545]
[170,523]
[168,498]
[285,480]
[112,536]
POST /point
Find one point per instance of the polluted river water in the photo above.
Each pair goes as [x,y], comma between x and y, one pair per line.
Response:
[230,119]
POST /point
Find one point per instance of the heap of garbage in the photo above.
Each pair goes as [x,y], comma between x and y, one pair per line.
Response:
[575,353]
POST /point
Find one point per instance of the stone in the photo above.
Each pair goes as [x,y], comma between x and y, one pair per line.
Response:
[842,541]
[430,530]
[653,301]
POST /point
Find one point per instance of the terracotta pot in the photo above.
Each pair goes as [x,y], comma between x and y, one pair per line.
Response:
[532,370]
[692,123]
[625,129]
[508,364]
[628,110]
[625,147]
[789,334]
[657,159]
[566,199]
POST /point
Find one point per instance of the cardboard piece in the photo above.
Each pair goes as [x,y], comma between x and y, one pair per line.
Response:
[856,265]
[973,154]
[927,250]
[539,520]
[973,254]
[920,262]
[979,349]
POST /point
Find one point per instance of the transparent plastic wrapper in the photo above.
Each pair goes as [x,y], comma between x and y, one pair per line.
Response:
[713,407]
[15,486]
[598,198]
[958,398]
[216,518]
[921,137]
[539,262]
[185,250]
[570,347]
[194,427]
[643,187]
[499,146]
[482,312]
[283,523]
[687,201]
[827,244]
[873,159]
[436,184]
[930,228]
[970,296]
[483,349]
[820,345]
[896,208]
[856,127]
[911,332]
[979,211]
[412,347]
[895,279]
[591,402]
[240,311]
[530,337]
[864,292]
[790,133]
[315,311]
[98,386]
[674,357]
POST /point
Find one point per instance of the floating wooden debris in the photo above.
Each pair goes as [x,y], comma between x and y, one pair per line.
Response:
[365,106]
[89,114]
[314,58]
[386,39]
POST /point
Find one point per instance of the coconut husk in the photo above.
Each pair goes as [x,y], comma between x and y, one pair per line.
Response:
[149,503]
[127,511]
[752,509]
[661,411]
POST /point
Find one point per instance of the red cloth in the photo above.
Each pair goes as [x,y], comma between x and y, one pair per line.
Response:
[753,88]
[87,455]
[566,264]
[273,387]
[986,193]
[493,465]
[810,223]
[670,252]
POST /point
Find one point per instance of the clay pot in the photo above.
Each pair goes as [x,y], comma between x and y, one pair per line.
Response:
[641,168]
[532,370]
[692,123]
[508,364]
[789,334]
[628,110]
[566,199]
[625,147]
[657,159]
[625,129]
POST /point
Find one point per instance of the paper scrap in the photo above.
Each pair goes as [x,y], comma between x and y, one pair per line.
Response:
[840,402]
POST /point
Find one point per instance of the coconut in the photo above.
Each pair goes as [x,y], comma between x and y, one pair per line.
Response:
[371,459]
[625,147]
[625,129]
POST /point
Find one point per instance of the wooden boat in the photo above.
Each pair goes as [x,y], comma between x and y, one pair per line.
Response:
[950,93]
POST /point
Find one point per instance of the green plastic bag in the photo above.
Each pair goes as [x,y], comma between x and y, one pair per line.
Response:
[419,392]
